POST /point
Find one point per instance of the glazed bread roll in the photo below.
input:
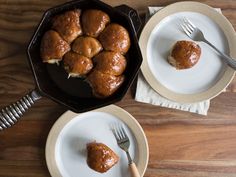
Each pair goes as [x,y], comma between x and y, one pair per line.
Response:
[94,22]
[110,63]
[53,47]
[100,157]
[104,85]
[87,46]
[68,25]
[184,54]
[77,65]
[115,38]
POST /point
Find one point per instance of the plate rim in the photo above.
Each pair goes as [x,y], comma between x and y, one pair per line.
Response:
[120,113]
[219,19]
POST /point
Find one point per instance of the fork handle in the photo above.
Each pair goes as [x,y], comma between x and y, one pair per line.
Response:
[133,170]
[230,61]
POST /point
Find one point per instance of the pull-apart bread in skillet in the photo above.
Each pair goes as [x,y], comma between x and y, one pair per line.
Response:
[104,85]
[94,22]
[110,63]
[68,25]
[53,47]
[115,38]
[77,65]
[87,46]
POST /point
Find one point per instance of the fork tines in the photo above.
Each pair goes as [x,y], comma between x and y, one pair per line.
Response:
[119,132]
[187,26]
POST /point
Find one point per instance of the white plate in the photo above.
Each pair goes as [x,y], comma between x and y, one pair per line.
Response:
[209,76]
[66,143]
[205,73]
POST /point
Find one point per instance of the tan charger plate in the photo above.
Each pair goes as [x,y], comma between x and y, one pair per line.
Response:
[66,143]
[187,96]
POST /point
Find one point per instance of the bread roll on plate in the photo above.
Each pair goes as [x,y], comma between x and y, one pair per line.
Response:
[184,54]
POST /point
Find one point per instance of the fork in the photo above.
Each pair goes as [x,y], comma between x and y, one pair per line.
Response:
[196,34]
[124,143]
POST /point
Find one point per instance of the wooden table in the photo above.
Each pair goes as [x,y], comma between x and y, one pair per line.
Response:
[181,144]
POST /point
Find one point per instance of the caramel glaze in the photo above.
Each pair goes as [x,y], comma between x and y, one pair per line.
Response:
[87,46]
[186,54]
[103,84]
[115,38]
[110,63]
[100,157]
[53,47]
[68,25]
[77,65]
[94,22]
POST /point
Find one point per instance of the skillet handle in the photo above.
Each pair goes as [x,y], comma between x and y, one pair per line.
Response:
[10,114]
[133,15]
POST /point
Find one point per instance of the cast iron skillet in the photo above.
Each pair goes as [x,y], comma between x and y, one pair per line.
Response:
[51,80]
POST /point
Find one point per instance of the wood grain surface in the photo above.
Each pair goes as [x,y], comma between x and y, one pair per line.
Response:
[181,144]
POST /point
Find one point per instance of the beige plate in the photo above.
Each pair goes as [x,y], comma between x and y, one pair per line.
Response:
[68,137]
[223,24]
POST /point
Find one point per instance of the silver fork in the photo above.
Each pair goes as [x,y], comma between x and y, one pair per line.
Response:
[197,35]
[124,143]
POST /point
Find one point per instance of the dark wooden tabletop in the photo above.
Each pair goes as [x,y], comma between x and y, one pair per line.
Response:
[181,144]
